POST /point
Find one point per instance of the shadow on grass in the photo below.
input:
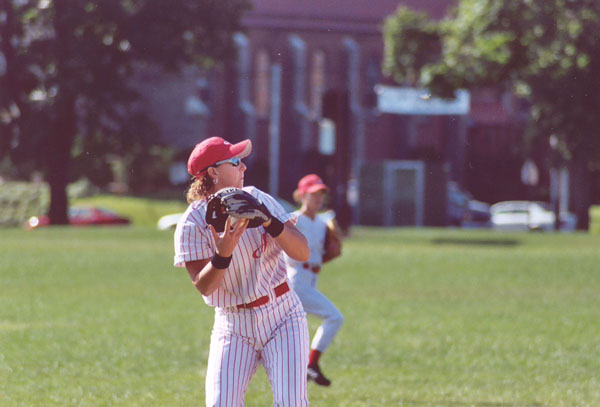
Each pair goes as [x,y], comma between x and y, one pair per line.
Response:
[453,403]
[476,242]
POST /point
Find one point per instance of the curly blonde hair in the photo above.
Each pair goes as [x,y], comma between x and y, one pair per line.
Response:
[297,196]
[199,189]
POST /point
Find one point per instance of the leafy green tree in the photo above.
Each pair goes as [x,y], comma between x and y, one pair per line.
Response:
[66,69]
[547,51]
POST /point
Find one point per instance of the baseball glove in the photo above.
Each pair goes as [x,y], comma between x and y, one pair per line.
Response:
[333,241]
[238,204]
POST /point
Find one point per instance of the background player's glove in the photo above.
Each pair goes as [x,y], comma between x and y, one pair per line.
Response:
[238,204]
[333,241]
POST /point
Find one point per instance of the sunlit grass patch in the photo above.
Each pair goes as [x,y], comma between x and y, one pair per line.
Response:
[99,317]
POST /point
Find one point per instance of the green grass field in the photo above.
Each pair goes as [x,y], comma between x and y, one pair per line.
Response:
[99,317]
[141,211]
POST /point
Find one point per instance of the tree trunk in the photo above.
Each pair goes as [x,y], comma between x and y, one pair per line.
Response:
[58,151]
[580,193]
[59,202]
[64,126]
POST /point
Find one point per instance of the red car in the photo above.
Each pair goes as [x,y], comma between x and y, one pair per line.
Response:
[82,216]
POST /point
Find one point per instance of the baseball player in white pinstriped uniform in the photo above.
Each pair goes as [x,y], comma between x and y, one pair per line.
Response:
[303,274]
[241,272]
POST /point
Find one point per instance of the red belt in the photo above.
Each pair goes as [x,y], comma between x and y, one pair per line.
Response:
[314,269]
[279,291]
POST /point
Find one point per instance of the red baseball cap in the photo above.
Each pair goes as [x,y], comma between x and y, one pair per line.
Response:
[311,183]
[215,149]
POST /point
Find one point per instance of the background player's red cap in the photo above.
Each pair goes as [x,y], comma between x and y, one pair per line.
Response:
[215,149]
[311,183]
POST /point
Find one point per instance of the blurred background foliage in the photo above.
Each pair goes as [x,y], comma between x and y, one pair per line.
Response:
[547,52]
[67,105]
[69,111]
[21,200]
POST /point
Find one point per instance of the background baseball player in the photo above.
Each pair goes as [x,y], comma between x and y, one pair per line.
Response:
[303,274]
[239,269]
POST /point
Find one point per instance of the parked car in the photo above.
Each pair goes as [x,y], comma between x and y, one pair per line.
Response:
[82,216]
[464,211]
[170,221]
[478,215]
[529,215]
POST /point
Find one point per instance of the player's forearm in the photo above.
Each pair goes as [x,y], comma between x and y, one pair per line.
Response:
[293,243]
[205,276]
[209,279]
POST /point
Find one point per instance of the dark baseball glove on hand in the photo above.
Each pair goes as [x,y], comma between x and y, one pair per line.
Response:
[238,204]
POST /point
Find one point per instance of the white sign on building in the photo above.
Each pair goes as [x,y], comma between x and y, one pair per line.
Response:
[413,101]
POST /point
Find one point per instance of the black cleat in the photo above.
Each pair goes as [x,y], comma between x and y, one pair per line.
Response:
[314,374]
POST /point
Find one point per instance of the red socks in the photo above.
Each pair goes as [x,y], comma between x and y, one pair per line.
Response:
[313,357]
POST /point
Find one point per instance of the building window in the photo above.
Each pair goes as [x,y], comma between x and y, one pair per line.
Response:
[262,85]
[317,84]
[326,136]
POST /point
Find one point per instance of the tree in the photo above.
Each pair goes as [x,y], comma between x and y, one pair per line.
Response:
[547,52]
[66,68]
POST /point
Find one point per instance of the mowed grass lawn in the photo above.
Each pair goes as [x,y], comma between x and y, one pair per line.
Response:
[99,317]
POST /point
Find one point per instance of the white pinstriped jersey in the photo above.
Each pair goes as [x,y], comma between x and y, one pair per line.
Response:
[256,266]
[314,230]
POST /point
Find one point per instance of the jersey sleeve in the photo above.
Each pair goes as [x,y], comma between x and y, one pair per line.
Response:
[193,240]
[273,206]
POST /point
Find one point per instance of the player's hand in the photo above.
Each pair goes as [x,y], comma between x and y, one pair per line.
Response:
[228,240]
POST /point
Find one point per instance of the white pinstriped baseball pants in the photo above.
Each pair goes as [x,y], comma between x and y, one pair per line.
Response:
[276,335]
[304,283]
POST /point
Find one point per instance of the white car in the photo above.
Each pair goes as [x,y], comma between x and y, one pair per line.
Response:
[529,215]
